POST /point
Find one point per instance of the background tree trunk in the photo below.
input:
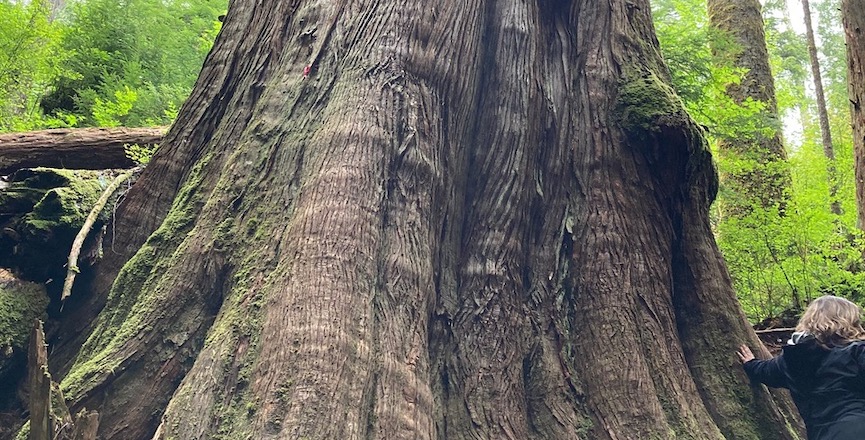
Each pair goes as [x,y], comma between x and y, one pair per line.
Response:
[826,134]
[410,220]
[853,13]
[765,185]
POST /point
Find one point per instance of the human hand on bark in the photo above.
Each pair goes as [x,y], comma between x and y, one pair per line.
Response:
[745,354]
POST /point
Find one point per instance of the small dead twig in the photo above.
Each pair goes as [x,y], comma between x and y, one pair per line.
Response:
[72,264]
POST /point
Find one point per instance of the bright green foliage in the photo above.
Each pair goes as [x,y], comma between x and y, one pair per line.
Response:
[777,261]
[132,62]
[29,61]
[686,42]
[140,154]
[101,62]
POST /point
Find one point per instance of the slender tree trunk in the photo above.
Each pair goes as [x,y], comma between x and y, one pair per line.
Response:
[402,219]
[766,184]
[853,13]
[828,149]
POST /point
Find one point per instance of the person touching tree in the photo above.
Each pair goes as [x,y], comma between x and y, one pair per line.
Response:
[823,366]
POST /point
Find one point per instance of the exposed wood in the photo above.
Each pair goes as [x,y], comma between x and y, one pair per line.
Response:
[86,425]
[40,385]
[72,263]
[73,148]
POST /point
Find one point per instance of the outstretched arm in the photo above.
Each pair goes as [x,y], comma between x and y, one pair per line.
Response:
[771,372]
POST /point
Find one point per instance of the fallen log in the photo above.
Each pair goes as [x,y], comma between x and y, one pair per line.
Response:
[73,148]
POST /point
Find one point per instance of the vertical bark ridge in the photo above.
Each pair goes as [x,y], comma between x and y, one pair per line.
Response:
[323,312]
[491,329]
[619,263]
[619,391]
[403,405]
[216,397]
[359,314]
[447,51]
[555,397]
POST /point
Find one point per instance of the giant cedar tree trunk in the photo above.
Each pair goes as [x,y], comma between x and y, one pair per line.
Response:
[480,219]
[853,14]
[766,184]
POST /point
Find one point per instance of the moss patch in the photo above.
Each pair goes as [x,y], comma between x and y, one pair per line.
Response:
[20,303]
[646,103]
[135,292]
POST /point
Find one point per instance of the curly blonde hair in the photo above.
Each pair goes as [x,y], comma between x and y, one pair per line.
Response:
[833,321]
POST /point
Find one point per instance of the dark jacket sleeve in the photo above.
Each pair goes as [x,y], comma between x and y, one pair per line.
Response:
[772,372]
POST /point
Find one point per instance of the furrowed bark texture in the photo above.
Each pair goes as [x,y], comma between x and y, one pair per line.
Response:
[853,14]
[470,220]
[765,186]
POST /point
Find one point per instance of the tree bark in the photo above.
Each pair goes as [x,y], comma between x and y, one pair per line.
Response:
[826,134]
[76,148]
[766,184]
[853,13]
[398,219]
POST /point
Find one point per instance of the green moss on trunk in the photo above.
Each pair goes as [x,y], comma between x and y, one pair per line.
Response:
[20,303]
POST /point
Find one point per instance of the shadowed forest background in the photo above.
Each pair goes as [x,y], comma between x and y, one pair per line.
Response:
[786,216]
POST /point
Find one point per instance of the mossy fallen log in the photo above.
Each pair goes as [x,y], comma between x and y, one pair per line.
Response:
[41,211]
